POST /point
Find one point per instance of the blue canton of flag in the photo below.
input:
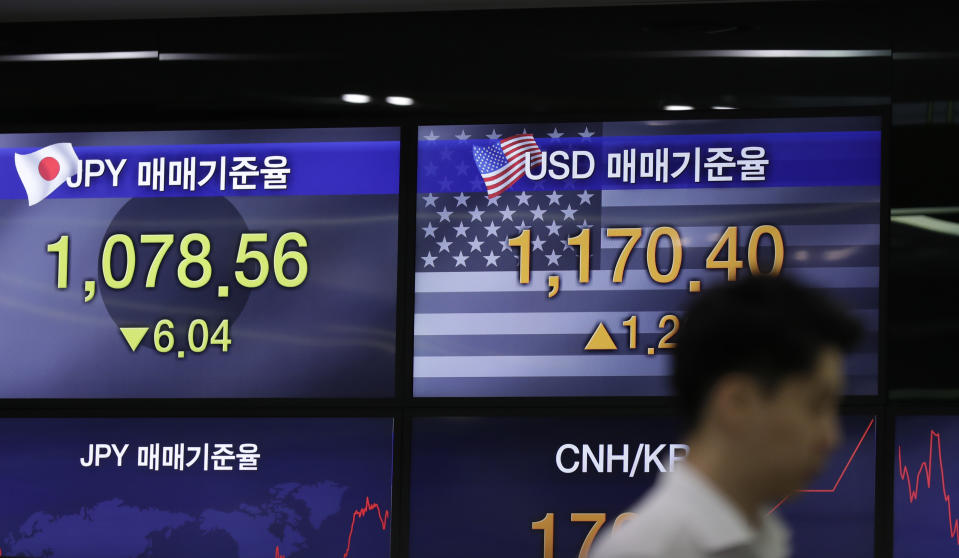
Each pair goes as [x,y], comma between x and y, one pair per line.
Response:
[470,232]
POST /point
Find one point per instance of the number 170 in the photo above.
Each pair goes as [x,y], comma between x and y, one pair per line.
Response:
[546,525]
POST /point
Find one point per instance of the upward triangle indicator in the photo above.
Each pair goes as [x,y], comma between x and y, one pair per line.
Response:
[601,340]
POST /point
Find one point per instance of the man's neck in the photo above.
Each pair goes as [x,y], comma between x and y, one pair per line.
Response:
[714,461]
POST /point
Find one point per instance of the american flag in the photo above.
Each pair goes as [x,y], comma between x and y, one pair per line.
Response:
[503,162]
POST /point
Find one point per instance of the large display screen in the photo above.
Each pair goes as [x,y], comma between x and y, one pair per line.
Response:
[556,258]
[247,263]
[926,468]
[168,488]
[547,486]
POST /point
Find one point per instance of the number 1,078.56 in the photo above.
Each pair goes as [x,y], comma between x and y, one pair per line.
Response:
[194,269]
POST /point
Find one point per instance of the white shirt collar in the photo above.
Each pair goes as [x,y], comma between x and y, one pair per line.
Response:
[716,523]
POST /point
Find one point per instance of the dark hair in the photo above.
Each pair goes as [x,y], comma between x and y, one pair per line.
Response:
[765,327]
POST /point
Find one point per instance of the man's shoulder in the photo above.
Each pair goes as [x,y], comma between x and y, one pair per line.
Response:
[657,529]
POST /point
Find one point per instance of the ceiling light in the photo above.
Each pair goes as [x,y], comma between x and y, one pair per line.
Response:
[766,53]
[399,100]
[81,56]
[355,98]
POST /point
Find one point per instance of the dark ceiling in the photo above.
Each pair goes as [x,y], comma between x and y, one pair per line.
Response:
[70,10]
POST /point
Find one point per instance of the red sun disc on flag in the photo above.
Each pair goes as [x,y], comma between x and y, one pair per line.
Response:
[49,168]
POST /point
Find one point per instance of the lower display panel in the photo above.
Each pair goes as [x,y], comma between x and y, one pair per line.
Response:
[173,488]
[539,487]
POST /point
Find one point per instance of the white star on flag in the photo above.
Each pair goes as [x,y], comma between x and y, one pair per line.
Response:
[491,229]
[476,214]
[444,245]
[537,213]
[476,244]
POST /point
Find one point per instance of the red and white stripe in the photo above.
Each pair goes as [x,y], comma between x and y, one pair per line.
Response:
[516,148]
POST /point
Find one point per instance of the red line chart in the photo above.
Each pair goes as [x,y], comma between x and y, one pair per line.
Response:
[383,516]
[841,475]
[935,443]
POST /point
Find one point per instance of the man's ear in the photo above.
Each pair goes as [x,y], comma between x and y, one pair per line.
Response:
[733,400]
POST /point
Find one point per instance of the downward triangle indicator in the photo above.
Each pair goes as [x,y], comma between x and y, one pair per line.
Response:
[134,335]
[601,340]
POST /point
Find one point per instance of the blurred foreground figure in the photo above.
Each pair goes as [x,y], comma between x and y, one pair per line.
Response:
[758,373]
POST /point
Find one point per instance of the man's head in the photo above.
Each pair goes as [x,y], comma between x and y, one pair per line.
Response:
[759,364]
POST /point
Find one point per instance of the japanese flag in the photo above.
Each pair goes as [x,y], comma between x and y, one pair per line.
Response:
[44,170]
